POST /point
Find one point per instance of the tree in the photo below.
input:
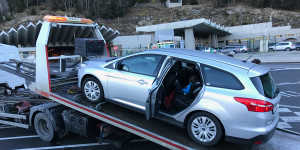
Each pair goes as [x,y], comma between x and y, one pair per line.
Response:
[3,7]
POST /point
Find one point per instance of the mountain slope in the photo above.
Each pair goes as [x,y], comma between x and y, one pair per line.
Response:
[147,14]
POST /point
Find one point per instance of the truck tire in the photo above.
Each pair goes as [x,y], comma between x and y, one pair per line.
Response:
[92,90]
[205,129]
[43,127]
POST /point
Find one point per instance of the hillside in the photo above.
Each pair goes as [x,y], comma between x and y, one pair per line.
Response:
[147,14]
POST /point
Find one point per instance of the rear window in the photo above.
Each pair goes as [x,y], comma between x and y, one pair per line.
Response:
[221,79]
[265,85]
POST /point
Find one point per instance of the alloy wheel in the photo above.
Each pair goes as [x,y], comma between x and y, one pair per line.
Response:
[204,129]
[92,90]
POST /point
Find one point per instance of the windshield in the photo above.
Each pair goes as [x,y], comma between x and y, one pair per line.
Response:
[265,85]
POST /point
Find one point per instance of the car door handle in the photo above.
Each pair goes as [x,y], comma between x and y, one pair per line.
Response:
[141,82]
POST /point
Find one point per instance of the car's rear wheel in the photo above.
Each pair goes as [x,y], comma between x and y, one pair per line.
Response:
[288,49]
[205,129]
[92,89]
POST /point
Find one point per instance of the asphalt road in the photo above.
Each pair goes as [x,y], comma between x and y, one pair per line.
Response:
[21,139]
[286,76]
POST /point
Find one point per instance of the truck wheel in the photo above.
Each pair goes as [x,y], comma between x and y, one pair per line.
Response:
[205,129]
[43,127]
[92,90]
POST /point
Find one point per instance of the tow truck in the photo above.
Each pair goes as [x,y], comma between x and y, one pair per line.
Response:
[54,105]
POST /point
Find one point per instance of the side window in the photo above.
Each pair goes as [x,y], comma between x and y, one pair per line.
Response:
[142,64]
[219,78]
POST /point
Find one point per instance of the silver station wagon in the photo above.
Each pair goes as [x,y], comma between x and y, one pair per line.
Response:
[212,96]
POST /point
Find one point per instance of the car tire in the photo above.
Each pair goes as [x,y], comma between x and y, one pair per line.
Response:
[92,90]
[288,49]
[44,128]
[298,48]
[195,127]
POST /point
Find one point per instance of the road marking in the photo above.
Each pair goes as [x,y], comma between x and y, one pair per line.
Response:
[284,110]
[7,127]
[293,92]
[18,137]
[291,119]
[288,83]
[289,106]
[289,94]
[281,69]
[65,146]
[284,125]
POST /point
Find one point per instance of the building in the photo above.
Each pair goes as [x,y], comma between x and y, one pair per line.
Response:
[258,36]
[203,32]
[196,31]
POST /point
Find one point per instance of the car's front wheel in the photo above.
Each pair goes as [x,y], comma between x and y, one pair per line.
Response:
[92,90]
[205,129]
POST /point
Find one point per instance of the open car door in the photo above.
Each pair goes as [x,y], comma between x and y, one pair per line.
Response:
[151,103]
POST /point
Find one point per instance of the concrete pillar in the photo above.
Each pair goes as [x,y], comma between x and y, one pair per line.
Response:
[189,38]
[263,45]
[214,40]
[153,38]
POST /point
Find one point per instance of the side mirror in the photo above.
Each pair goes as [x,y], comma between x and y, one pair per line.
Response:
[118,66]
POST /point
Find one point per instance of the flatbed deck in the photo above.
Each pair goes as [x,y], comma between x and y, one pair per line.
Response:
[154,130]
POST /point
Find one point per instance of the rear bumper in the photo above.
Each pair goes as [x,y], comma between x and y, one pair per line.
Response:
[258,139]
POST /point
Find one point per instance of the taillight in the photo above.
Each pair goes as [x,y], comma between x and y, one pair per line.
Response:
[255,104]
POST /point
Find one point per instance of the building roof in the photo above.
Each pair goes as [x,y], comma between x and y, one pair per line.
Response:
[201,25]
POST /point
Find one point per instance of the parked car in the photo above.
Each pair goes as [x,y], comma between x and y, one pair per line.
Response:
[297,45]
[207,49]
[208,94]
[237,48]
[228,50]
[287,46]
